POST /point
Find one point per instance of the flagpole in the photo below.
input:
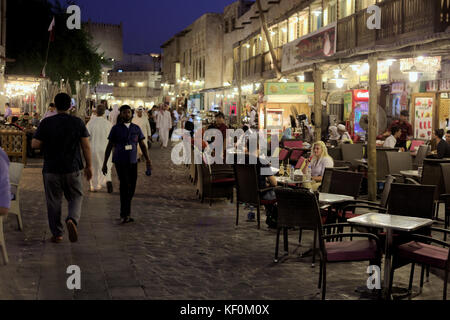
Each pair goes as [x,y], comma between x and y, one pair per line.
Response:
[50,39]
[46,56]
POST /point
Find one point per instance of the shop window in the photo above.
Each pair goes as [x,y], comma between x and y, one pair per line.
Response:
[316,16]
[226,26]
[330,11]
[293,28]
[363,4]
[255,47]
[303,22]
[236,54]
[233,24]
[204,67]
[346,8]
[265,47]
[274,36]
[283,29]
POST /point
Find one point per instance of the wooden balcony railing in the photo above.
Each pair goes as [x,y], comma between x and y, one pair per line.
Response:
[399,19]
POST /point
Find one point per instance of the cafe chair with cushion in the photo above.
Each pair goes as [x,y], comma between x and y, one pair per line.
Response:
[331,252]
[398,161]
[426,251]
[15,174]
[284,155]
[300,163]
[289,216]
[217,182]
[348,211]
[293,144]
[346,183]
[248,191]
[352,152]
[420,156]
[432,175]
[295,156]
[445,167]
[2,242]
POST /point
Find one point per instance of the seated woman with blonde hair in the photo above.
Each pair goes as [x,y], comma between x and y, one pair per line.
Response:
[318,162]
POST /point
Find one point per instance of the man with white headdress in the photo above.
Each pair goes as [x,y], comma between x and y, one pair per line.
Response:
[114,115]
[99,128]
[140,119]
[164,124]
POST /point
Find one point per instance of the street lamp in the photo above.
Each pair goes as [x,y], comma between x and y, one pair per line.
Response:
[413,74]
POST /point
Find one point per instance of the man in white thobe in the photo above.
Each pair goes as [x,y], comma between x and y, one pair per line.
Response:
[114,115]
[141,120]
[164,124]
[99,128]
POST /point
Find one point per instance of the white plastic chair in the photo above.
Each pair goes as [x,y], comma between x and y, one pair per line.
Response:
[2,242]
[15,174]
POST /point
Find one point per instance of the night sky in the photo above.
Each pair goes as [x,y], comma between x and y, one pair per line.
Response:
[148,23]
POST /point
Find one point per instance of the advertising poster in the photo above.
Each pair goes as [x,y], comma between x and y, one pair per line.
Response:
[423,118]
[319,44]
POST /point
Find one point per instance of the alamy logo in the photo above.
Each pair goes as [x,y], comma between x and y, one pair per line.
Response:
[374,21]
[74,281]
[374,280]
[74,21]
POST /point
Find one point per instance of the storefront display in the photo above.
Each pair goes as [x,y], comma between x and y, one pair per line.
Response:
[423,115]
[356,105]
[399,99]
[283,100]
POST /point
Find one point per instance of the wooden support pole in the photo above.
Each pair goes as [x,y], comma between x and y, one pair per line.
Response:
[317,103]
[269,41]
[372,136]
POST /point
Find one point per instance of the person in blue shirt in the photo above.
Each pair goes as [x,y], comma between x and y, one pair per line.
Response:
[5,188]
[124,138]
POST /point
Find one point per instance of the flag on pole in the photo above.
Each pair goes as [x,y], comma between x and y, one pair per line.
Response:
[51,29]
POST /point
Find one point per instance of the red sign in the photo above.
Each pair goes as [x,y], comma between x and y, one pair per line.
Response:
[321,44]
[361,95]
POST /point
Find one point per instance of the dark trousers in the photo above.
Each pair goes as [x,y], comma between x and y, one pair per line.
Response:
[127,176]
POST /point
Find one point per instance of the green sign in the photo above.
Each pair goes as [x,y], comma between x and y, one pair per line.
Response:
[348,102]
[289,88]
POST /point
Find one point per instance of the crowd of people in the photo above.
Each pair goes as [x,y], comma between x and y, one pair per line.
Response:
[73,148]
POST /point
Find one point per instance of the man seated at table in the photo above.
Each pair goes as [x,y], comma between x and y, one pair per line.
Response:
[405,128]
[391,141]
[443,148]
[447,137]
[318,162]
[15,123]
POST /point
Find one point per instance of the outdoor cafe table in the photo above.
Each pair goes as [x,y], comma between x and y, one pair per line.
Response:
[390,223]
[362,161]
[286,181]
[410,174]
[330,198]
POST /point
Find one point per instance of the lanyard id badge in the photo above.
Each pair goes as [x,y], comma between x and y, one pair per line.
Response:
[129,147]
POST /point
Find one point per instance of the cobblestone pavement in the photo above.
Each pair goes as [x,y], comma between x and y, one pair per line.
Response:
[178,248]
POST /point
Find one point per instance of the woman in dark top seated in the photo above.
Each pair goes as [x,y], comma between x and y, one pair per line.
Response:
[443,148]
[265,181]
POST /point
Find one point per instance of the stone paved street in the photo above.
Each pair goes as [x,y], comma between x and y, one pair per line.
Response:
[178,248]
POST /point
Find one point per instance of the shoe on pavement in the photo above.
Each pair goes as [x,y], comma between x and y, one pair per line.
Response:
[127,220]
[56,239]
[72,229]
[109,186]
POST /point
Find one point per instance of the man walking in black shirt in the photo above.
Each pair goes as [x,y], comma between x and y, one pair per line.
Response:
[60,137]
[124,139]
